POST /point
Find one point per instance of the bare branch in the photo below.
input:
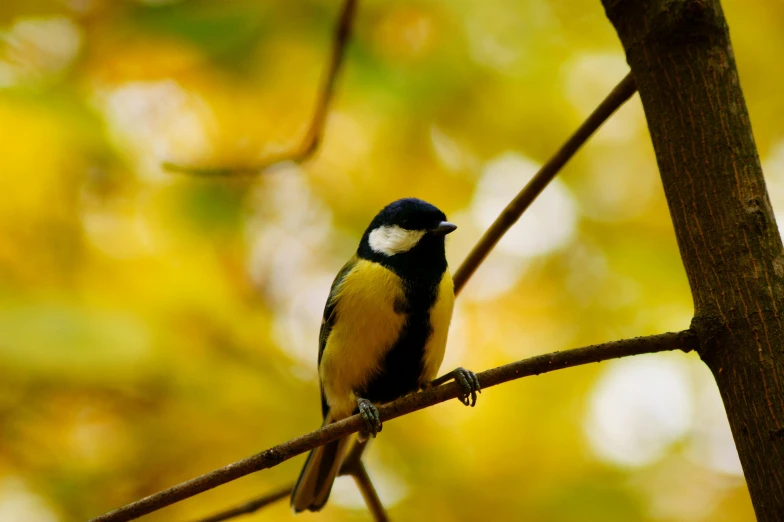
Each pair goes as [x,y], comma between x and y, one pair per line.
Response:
[685,341]
[617,97]
[350,462]
[313,136]
[369,493]
[353,466]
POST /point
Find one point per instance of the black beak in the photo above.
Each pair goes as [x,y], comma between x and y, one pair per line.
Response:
[444,228]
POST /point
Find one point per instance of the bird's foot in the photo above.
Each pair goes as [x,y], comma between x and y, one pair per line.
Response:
[467,380]
[369,414]
[470,384]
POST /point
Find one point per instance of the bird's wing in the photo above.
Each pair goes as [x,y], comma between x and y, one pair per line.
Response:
[329,318]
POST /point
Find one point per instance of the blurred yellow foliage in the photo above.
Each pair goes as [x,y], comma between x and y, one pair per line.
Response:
[154,326]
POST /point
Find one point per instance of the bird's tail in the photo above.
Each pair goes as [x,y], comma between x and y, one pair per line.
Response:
[315,481]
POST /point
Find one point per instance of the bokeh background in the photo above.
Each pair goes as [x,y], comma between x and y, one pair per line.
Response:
[156,326]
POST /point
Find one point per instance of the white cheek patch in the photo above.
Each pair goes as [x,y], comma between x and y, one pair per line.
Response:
[394,240]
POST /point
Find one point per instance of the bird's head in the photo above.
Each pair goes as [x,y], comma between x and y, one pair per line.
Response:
[405,231]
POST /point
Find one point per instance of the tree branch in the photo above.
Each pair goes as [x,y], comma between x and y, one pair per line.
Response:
[313,136]
[617,97]
[353,466]
[682,58]
[685,341]
[365,486]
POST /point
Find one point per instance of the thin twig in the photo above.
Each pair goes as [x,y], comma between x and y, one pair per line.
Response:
[685,341]
[351,466]
[369,493]
[314,133]
[622,92]
[353,457]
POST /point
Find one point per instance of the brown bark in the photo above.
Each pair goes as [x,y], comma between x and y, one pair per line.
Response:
[681,57]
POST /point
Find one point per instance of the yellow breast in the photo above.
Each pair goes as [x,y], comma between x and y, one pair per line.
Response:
[440,317]
[367,326]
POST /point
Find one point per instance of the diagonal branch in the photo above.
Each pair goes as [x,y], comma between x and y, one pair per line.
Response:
[685,341]
[617,97]
[314,133]
[353,466]
[368,491]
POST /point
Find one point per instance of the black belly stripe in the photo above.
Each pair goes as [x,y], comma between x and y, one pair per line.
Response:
[403,364]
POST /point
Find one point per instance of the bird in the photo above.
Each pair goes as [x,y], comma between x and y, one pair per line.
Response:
[383,332]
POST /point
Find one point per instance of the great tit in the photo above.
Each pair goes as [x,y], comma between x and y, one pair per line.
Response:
[384,331]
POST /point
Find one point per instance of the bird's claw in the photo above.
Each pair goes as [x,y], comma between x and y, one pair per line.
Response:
[470,384]
[369,414]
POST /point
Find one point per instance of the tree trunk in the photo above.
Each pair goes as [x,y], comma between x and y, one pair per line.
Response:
[681,57]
